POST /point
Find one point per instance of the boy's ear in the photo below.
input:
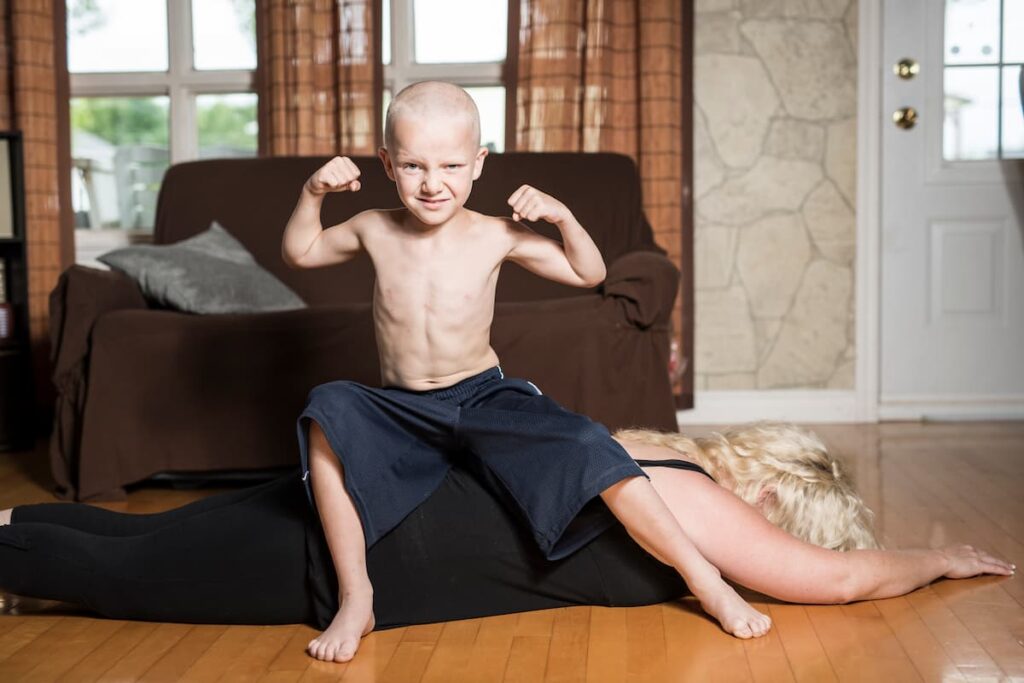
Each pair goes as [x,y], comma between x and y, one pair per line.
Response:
[385,159]
[478,163]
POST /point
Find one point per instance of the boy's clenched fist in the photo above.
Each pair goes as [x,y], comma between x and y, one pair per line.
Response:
[337,175]
[531,204]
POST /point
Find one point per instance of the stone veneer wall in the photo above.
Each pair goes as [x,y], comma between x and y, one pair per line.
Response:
[775,167]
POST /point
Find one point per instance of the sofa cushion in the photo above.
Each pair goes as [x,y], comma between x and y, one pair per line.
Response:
[208,273]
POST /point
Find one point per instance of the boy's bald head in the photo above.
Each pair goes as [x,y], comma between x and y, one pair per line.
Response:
[432,99]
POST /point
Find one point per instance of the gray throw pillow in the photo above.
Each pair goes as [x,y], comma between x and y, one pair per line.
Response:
[211,272]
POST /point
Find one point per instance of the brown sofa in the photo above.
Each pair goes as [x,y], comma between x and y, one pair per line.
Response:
[143,390]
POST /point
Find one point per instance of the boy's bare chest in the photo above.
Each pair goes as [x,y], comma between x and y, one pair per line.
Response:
[435,279]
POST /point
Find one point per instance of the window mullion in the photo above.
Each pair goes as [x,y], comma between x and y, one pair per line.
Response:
[159,82]
[461,73]
[402,55]
[184,132]
[184,144]
[116,84]
[219,81]
[999,84]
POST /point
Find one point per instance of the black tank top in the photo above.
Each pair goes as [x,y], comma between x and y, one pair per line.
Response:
[464,554]
[676,464]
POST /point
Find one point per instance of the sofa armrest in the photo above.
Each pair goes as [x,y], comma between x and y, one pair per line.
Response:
[584,354]
[82,296]
[644,284]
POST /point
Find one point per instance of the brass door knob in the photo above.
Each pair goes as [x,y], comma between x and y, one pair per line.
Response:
[906,68]
[905,118]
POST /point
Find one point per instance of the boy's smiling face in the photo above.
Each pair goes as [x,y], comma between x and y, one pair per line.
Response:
[434,165]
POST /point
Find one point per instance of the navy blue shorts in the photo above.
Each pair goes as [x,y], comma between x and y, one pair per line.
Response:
[397,445]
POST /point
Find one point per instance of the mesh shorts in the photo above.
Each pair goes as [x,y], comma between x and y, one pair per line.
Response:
[397,445]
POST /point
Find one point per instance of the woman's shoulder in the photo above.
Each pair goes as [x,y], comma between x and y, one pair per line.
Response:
[650,455]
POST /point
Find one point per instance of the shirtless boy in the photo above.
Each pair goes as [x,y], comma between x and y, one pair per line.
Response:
[437,266]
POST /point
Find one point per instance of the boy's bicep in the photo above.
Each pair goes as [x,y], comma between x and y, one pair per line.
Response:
[335,244]
[540,255]
[343,238]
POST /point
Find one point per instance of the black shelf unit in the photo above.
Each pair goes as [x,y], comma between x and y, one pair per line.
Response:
[17,400]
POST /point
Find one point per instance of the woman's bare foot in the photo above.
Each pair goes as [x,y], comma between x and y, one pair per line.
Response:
[354,620]
[734,613]
[5,516]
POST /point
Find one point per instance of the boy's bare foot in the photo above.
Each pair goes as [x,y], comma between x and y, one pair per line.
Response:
[5,516]
[734,613]
[354,620]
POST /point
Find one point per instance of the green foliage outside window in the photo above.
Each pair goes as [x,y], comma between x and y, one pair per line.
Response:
[143,121]
[122,120]
[228,125]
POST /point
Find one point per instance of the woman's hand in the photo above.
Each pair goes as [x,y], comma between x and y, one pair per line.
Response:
[964,561]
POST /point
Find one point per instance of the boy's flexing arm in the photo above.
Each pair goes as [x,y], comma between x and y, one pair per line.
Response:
[305,243]
[576,262]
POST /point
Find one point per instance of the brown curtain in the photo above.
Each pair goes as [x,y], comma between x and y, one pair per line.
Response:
[320,77]
[616,76]
[33,100]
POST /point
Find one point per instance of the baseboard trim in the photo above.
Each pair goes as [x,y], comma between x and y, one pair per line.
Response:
[810,406]
[951,408]
[791,405]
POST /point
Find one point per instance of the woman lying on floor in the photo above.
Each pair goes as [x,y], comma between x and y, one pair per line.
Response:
[778,520]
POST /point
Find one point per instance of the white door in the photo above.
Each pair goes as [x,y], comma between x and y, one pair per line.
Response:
[952,262]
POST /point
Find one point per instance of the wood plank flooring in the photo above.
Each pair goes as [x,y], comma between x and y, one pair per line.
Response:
[929,483]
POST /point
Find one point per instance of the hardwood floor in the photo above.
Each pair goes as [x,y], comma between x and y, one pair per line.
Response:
[930,484]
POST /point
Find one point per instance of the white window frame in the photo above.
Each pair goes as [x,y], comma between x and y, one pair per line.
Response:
[181,83]
[403,69]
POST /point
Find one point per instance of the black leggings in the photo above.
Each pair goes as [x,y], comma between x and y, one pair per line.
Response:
[259,556]
[232,558]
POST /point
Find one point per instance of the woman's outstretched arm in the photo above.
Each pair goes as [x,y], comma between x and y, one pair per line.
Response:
[885,573]
[749,550]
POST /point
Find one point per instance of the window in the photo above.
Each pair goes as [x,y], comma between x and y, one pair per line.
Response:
[983,83]
[461,41]
[154,82]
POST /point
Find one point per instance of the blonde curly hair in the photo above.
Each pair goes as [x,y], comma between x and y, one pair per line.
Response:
[785,471]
